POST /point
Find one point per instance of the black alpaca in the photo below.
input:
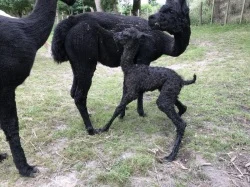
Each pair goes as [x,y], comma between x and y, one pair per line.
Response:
[19,41]
[83,41]
[139,78]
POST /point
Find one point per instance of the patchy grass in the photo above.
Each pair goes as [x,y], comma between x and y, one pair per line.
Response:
[218,118]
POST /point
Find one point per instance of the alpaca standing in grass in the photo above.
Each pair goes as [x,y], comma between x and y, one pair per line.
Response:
[139,78]
[83,41]
[19,41]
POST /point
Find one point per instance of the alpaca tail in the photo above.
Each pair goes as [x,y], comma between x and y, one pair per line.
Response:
[187,82]
[58,50]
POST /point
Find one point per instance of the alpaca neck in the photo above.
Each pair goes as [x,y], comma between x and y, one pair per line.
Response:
[179,43]
[128,56]
[40,22]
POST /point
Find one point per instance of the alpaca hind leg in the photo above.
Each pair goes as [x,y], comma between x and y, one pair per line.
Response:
[84,80]
[181,107]
[9,124]
[165,103]
[74,84]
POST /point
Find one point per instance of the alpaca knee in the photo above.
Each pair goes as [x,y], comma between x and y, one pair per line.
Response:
[164,105]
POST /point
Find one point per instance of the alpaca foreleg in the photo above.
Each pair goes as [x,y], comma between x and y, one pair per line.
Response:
[140,109]
[122,114]
[119,109]
[9,124]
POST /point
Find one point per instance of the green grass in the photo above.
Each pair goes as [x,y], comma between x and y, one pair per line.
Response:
[218,118]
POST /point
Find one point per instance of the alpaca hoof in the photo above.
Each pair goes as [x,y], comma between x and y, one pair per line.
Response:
[93,131]
[3,156]
[104,129]
[165,159]
[122,116]
[169,158]
[142,114]
[29,171]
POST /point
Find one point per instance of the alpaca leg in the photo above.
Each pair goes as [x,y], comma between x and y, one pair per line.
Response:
[181,107]
[124,109]
[3,156]
[126,99]
[9,124]
[140,109]
[74,84]
[165,103]
[84,80]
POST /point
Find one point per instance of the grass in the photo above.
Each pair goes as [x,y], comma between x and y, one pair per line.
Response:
[218,118]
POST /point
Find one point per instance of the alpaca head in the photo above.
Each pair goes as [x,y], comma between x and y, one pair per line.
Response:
[172,17]
[127,35]
[69,2]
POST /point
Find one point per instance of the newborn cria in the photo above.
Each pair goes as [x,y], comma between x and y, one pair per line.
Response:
[139,78]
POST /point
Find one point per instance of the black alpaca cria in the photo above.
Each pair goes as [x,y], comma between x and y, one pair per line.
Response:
[19,41]
[83,40]
[139,78]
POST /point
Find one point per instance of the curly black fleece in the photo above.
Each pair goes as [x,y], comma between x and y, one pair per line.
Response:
[139,78]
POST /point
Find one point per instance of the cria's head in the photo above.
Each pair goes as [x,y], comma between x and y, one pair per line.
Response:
[172,17]
[128,34]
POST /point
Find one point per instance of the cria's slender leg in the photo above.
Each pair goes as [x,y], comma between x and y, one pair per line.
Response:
[9,124]
[124,102]
[165,103]
[140,109]
[181,107]
[123,110]
[84,80]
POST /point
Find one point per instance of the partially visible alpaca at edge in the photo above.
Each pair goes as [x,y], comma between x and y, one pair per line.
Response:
[80,40]
[139,78]
[19,41]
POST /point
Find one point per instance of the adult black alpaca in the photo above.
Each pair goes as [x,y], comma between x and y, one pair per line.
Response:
[83,41]
[19,41]
[139,78]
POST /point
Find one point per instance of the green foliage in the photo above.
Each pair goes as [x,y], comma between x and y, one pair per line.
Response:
[146,9]
[79,7]
[109,5]
[17,7]
[206,13]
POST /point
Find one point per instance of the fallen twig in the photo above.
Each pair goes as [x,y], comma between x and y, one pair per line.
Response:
[206,164]
[234,183]
[181,165]
[247,165]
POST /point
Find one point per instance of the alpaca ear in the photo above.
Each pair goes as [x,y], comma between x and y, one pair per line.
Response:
[184,7]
